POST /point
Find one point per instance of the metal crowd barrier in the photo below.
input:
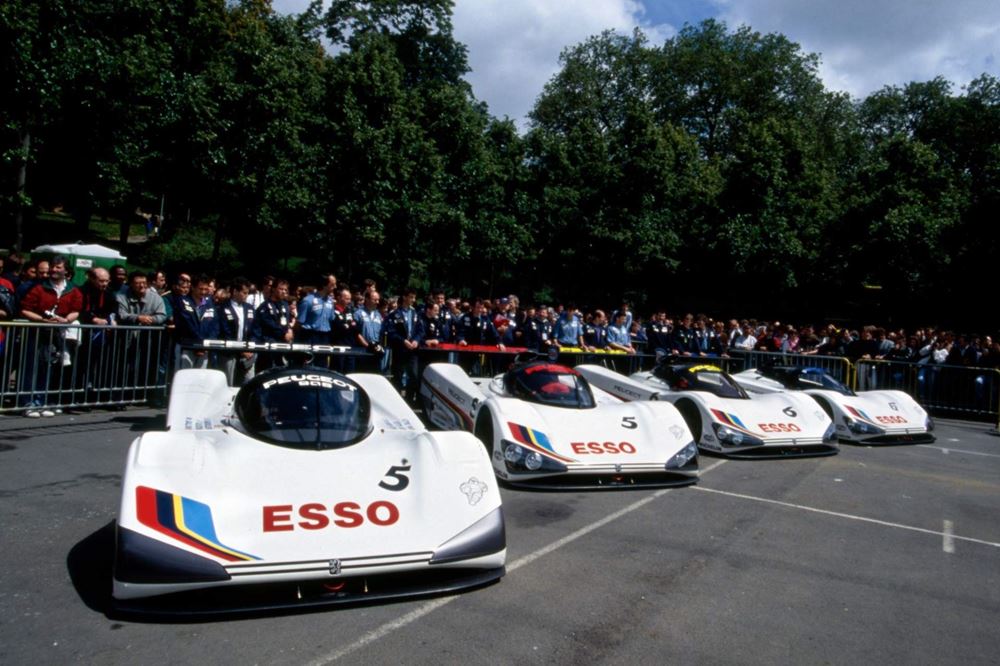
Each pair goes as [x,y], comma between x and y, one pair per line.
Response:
[57,366]
[839,367]
[944,389]
[47,366]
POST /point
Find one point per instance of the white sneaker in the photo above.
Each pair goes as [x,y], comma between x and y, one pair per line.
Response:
[57,410]
[32,413]
[48,412]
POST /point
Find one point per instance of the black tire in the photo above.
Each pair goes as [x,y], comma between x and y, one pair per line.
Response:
[826,406]
[484,430]
[692,416]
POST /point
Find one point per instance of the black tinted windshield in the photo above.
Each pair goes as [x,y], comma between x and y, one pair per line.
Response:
[817,378]
[706,378]
[797,379]
[307,409]
[549,384]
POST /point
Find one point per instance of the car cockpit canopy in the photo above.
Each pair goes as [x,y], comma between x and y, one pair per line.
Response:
[304,408]
[549,384]
[707,378]
[799,378]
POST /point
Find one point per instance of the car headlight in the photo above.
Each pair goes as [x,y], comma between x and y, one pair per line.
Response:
[512,453]
[683,457]
[520,460]
[732,437]
[533,461]
[830,436]
[862,428]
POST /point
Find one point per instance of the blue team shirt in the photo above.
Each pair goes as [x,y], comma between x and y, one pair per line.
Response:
[315,313]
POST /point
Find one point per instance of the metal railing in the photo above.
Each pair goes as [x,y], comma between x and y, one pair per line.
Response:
[944,389]
[50,366]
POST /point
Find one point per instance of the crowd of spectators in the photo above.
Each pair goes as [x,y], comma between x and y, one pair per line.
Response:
[194,308]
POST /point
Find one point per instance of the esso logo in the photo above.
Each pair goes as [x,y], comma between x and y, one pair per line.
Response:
[779,427]
[890,419]
[316,516]
[599,448]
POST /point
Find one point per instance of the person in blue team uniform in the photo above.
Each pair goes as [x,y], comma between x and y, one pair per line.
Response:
[404,333]
[369,320]
[618,334]
[595,332]
[476,328]
[569,328]
[273,323]
[234,320]
[187,325]
[445,318]
[658,334]
[343,329]
[684,343]
[316,312]
[537,329]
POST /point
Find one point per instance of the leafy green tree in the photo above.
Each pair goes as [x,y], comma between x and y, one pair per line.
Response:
[31,40]
[419,179]
[613,184]
[776,144]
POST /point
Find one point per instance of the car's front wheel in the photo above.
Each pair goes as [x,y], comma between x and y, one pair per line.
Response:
[692,416]
[484,430]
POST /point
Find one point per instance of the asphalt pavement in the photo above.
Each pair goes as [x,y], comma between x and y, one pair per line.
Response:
[878,554]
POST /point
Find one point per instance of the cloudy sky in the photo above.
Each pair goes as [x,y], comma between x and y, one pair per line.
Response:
[514,45]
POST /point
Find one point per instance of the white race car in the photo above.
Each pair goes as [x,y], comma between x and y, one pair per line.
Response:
[870,417]
[302,488]
[545,426]
[723,418]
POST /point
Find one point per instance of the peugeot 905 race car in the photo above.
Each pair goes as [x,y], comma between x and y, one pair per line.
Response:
[302,488]
[723,418]
[546,427]
[869,417]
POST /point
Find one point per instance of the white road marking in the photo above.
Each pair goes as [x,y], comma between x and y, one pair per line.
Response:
[949,450]
[948,540]
[849,516]
[434,604]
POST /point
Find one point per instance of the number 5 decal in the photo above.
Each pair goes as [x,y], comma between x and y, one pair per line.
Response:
[401,480]
[629,423]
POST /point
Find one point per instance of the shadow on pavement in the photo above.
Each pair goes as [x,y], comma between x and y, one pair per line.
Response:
[89,563]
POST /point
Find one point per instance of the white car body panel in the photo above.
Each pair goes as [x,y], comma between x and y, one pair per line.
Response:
[785,425]
[592,446]
[897,416]
[270,513]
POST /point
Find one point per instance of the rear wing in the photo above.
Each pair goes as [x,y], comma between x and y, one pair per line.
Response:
[452,397]
[617,385]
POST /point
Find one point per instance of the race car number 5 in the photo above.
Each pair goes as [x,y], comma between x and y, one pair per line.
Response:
[398,481]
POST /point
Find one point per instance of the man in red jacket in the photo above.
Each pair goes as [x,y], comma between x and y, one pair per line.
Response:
[50,301]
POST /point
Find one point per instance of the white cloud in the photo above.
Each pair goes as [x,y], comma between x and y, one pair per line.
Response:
[867,44]
[514,45]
